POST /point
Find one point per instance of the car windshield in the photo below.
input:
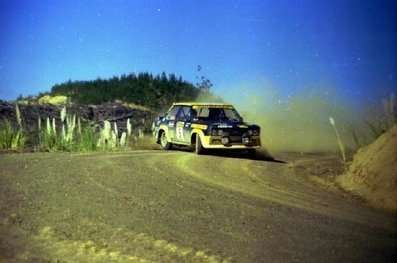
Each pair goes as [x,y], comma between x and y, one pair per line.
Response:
[218,113]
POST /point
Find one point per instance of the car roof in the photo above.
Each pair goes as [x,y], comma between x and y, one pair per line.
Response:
[202,104]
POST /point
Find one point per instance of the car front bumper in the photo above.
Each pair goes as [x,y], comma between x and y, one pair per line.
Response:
[232,142]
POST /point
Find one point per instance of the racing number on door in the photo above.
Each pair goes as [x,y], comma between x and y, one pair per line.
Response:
[179,133]
[179,130]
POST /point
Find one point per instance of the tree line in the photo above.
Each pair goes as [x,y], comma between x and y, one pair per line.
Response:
[143,89]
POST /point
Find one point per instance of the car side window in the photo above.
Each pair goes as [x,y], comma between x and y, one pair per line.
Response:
[231,114]
[203,112]
[183,113]
[215,114]
[172,114]
[193,114]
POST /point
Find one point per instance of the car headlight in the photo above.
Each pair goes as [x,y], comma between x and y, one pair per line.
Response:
[245,140]
[216,132]
[253,132]
[225,140]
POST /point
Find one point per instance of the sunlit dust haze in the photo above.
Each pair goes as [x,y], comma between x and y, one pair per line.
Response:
[298,122]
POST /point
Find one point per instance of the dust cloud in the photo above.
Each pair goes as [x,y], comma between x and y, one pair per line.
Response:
[296,122]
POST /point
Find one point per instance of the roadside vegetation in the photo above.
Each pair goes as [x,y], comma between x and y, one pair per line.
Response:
[10,136]
[382,121]
[67,133]
[379,123]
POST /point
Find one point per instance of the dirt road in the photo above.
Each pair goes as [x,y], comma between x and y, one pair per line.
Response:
[155,206]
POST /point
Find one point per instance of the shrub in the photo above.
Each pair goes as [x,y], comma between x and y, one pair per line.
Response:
[87,141]
[49,136]
[11,138]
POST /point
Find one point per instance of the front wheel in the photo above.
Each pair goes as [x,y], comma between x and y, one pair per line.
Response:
[199,149]
[164,142]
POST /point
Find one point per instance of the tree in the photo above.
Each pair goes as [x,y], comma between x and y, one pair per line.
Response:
[204,83]
[142,89]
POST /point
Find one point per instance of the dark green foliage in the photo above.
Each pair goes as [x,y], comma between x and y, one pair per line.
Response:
[153,92]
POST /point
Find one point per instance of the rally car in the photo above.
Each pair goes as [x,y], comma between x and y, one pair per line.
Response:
[206,126]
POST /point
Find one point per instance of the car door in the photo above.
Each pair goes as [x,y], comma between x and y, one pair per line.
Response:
[183,125]
[171,120]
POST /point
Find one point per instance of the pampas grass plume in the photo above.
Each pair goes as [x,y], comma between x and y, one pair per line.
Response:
[63,114]
[129,127]
[123,139]
[339,141]
[54,127]
[18,113]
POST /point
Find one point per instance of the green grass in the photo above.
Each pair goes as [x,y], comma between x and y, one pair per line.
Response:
[10,137]
[87,141]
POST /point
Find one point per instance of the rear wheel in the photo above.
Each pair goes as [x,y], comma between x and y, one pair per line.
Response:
[164,142]
[199,147]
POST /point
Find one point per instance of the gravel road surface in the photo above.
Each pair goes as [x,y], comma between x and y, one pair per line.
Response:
[156,206]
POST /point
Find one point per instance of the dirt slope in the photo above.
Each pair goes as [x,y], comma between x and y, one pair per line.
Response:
[373,172]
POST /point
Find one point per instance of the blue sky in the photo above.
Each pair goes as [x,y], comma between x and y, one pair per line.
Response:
[347,45]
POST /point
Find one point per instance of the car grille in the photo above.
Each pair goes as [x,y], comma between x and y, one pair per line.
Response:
[234,135]
[235,132]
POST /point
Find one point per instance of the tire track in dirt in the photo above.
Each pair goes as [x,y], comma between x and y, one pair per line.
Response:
[153,161]
[141,246]
[277,183]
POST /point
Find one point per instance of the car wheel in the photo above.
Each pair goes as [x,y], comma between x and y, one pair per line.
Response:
[164,142]
[199,147]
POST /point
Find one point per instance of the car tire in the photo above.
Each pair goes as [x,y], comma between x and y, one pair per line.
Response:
[199,149]
[165,145]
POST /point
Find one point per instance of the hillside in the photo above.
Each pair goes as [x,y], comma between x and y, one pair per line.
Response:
[373,172]
[154,92]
